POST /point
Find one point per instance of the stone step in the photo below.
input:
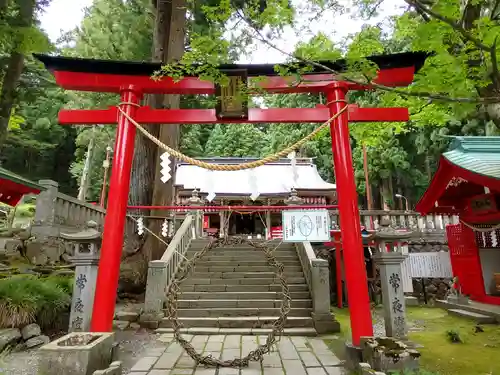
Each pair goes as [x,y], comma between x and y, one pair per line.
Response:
[247,281]
[242,295]
[243,275]
[275,245]
[239,322]
[192,250]
[242,259]
[203,262]
[242,288]
[234,303]
[478,318]
[244,311]
[310,332]
[203,267]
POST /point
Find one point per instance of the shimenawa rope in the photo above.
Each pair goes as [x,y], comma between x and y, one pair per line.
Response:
[231,167]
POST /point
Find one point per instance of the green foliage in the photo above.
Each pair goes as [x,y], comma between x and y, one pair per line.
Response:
[25,210]
[235,140]
[453,336]
[27,299]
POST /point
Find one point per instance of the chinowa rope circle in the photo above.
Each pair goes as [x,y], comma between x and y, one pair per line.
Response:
[231,167]
[278,325]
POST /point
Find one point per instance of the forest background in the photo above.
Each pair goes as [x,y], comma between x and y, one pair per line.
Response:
[454,94]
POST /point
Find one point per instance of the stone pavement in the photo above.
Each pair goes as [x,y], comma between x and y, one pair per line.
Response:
[294,355]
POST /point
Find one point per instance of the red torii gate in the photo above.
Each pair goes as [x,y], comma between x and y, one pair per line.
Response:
[132,80]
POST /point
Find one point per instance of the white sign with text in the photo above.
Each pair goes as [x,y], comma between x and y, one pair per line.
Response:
[306,226]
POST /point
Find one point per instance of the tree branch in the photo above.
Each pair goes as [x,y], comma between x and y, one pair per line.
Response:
[433,96]
[495,75]
[450,22]
[493,15]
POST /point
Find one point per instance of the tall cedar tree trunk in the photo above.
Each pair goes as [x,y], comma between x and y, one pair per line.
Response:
[15,66]
[170,33]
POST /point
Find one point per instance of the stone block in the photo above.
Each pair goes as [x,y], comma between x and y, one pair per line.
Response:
[36,341]
[389,354]
[458,300]
[8,337]
[31,330]
[411,301]
[79,353]
[129,316]
[354,356]
[120,325]
[325,323]
[13,245]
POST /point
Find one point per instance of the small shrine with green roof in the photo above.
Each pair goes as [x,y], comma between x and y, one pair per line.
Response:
[467,183]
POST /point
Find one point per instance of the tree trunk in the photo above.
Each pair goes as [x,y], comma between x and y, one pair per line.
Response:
[14,69]
[169,41]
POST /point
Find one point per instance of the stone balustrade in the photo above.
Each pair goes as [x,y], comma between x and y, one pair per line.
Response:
[316,273]
[57,212]
[162,272]
[411,220]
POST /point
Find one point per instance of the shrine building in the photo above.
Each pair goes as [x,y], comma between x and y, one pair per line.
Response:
[467,183]
[269,185]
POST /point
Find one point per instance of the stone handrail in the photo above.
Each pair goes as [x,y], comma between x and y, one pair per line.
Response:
[161,272]
[58,213]
[370,219]
[317,276]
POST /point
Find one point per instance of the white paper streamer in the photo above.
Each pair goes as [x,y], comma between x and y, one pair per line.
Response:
[165,167]
[210,187]
[140,226]
[293,162]
[164,228]
[254,189]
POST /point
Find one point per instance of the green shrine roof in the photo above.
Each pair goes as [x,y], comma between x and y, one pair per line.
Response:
[13,177]
[480,155]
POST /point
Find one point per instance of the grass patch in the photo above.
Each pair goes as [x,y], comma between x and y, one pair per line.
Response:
[27,299]
[477,353]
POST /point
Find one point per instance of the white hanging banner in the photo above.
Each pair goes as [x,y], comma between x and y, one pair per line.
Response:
[293,162]
[306,226]
[210,186]
[252,180]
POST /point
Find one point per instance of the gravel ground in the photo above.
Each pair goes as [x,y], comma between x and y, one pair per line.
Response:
[131,346]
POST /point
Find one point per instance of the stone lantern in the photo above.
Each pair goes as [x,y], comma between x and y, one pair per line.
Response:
[194,201]
[389,258]
[86,259]
[294,199]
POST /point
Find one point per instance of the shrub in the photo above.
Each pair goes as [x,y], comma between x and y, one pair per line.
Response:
[453,336]
[28,299]
[63,282]
[25,210]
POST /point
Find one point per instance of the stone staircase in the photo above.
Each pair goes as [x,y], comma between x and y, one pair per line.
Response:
[233,290]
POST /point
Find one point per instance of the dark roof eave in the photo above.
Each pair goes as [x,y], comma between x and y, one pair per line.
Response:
[61,63]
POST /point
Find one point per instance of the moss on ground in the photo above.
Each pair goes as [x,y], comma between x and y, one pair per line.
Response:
[477,354]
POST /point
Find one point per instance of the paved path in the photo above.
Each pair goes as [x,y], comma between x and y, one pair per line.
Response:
[292,355]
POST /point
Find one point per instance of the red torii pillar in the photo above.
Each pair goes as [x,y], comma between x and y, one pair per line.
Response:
[132,81]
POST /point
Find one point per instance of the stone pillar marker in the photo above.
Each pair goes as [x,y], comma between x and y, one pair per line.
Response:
[86,259]
[391,279]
